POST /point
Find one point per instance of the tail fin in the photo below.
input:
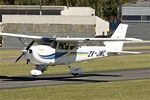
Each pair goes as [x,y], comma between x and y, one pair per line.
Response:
[120,32]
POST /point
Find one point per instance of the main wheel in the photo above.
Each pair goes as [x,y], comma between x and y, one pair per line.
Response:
[75,71]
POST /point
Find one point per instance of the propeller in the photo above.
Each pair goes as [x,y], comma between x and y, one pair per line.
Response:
[25,50]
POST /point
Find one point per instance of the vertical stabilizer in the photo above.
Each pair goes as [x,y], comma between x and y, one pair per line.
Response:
[120,32]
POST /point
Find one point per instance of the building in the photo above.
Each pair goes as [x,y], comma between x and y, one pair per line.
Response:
[137,16]
[55,20]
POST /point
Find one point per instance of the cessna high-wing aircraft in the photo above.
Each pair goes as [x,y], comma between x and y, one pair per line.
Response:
[50,51]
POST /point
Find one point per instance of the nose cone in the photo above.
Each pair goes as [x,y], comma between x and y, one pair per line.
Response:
[24,51]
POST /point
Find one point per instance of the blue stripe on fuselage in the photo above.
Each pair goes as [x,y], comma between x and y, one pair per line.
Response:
[53,56]
[59,54]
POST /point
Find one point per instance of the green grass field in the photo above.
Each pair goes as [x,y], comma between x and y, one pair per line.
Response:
[136,48]
[103,64]
[124,90]
[9,53]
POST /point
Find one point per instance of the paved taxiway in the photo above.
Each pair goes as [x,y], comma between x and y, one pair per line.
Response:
[93,77]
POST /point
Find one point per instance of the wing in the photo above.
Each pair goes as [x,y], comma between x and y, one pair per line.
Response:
[20,36]
[96,39]
[67,39]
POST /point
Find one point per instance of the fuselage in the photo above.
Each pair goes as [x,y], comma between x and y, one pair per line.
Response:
[43,54]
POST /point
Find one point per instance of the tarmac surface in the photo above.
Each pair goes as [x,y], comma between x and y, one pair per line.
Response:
[93,77]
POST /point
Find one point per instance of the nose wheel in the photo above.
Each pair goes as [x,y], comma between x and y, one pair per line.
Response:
[36,72]
[39,69]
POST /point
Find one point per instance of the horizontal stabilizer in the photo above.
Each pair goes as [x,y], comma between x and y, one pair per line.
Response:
[128,52]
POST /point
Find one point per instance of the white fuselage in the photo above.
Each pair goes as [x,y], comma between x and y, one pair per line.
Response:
[46,55]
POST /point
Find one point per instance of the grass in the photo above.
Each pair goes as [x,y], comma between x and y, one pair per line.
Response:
[9,53]
[136,48]
[102,64]
[124,90]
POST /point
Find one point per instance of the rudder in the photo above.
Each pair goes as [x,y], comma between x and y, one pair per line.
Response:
[120,32]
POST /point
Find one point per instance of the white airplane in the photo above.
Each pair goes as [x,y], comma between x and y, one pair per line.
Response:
[50,51]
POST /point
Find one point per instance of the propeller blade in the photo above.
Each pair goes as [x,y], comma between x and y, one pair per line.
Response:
[28,47]
[19,57]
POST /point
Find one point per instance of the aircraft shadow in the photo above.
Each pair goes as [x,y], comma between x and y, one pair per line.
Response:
[81,78]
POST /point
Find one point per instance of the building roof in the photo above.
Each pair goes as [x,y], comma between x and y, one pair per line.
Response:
[139,3]
[30,7]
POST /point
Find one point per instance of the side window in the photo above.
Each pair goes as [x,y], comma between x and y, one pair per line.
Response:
[64,46]
[60,46]
[72,46]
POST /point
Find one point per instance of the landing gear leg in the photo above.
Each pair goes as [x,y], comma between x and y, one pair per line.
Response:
[75,71]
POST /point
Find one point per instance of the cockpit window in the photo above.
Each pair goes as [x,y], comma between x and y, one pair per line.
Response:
[49,42]
[46,41]
[57,45]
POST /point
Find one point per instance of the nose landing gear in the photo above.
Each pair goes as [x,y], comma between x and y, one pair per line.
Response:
[39,69]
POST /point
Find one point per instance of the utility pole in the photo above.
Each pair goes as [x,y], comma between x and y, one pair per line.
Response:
[40,7]
[101,8]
